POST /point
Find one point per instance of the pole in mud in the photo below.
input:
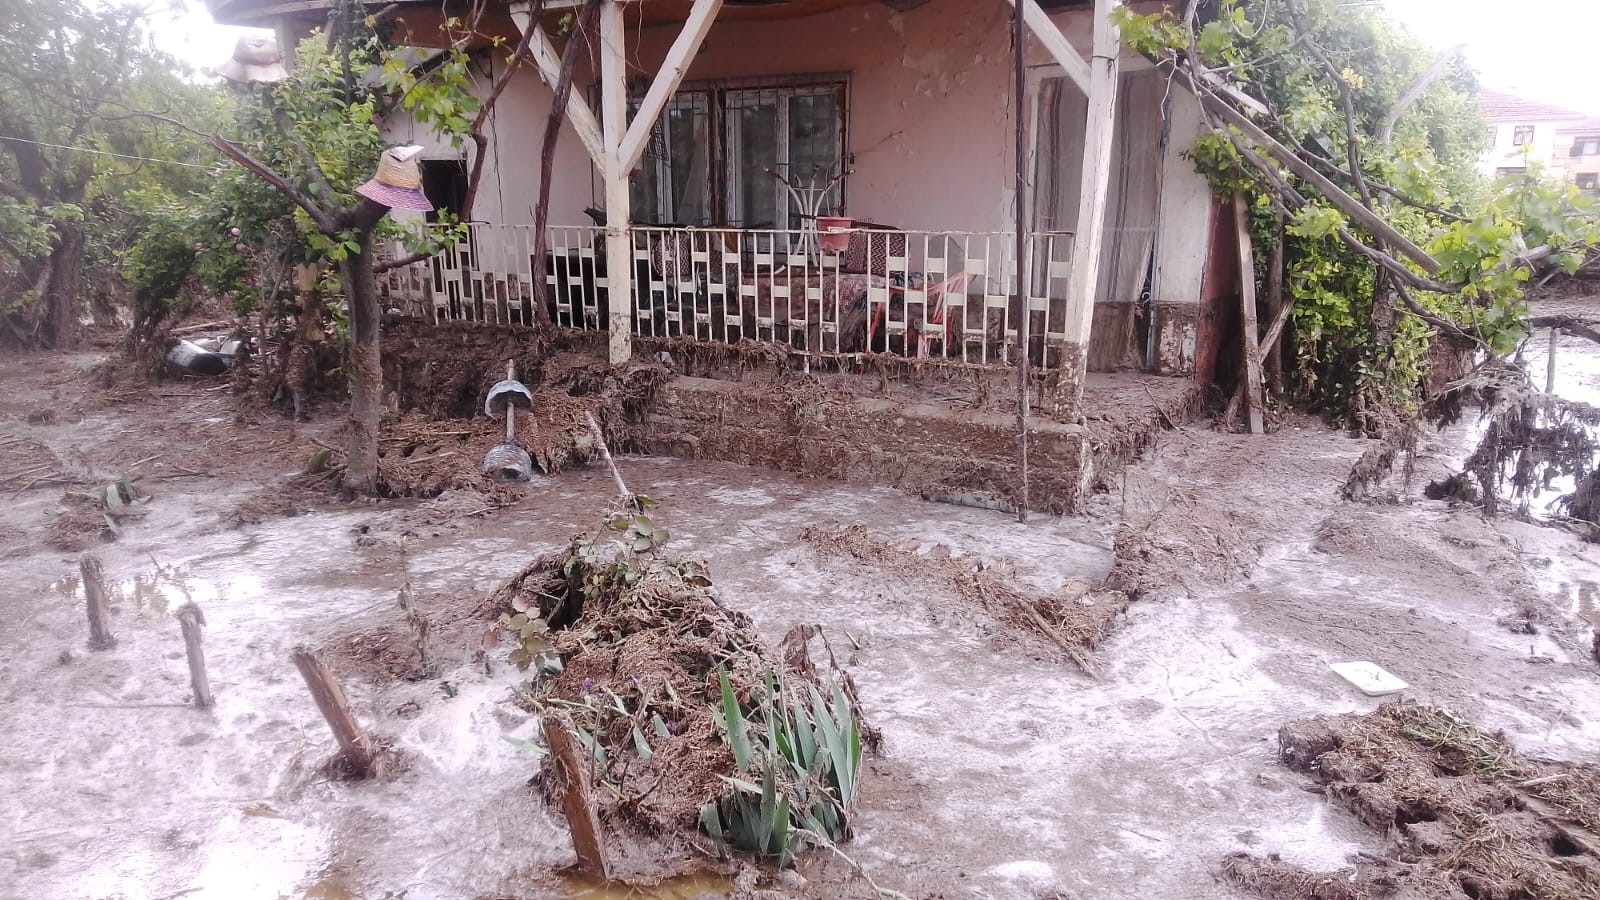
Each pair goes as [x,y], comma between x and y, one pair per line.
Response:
[575,800]
[94,593]
[359,751]
[1550,364]
[191,620]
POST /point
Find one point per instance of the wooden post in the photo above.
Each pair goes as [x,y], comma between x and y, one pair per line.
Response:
[1550,364]
[94,594]
[573,785]
[1272,353]
[1019,36]
[1084,280]
[191,620]
[358,750]
[1247,307]
[619,237]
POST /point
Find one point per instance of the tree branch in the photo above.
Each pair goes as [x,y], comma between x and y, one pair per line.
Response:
[324,220]
[1415,91]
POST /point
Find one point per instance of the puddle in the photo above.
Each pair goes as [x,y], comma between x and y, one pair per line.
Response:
[167,587]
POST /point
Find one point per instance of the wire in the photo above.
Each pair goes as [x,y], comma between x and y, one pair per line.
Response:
[169,162]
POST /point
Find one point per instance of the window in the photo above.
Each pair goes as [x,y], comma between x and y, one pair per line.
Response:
[1522,135]
[1504,171]
[1492,135]
[1588,182]
[1586,146]
[709,159]
[444,181]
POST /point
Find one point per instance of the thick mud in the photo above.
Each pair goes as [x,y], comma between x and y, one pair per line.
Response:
[1005,772]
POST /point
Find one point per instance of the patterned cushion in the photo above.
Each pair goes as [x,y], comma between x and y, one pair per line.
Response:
[870,250]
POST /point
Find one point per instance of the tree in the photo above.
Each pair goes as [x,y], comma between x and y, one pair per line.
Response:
[1336,121]
[316,136]
[71,77]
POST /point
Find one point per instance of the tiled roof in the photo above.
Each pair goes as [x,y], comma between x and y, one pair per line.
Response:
[1498,107]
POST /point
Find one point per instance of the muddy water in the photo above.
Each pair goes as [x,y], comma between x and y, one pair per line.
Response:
[1004,773]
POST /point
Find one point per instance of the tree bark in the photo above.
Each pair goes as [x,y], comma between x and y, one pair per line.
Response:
[547,154]
[366,358]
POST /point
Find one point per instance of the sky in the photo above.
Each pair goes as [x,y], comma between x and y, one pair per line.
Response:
[1539,49]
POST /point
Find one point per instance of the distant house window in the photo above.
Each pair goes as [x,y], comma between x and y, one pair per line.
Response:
[1510,170]
[1586,146]
[1588,182]
[1522,135]
[1492,135]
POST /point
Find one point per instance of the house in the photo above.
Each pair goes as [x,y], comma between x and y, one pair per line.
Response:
[1564,142]
[838,175]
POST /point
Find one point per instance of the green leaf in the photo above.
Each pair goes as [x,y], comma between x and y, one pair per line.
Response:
[735,725]
[525,746]
[640,744]
[661,727]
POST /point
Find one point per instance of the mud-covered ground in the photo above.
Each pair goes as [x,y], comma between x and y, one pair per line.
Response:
[1005,771]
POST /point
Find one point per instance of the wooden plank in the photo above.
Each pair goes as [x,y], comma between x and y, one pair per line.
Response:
[1247,307]
[94,595]
[548,63]
[1271,353]
[190,621]
[667,80]
[358,750]
[1061,50]
[1083,281]
[576,804]
[619,237]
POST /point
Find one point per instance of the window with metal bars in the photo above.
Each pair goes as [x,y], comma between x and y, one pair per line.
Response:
[718,150]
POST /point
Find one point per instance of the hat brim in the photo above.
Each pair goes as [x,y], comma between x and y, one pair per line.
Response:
[240,73]
[395,198]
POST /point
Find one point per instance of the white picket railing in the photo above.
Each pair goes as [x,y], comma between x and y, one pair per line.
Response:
[922,294]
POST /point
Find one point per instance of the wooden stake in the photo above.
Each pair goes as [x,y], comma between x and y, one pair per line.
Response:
[358,750]
[94,592]
[511,408]
[1247,306]
[191,620]
[1550,364]
[575,800]
[1272,354]
[605,453]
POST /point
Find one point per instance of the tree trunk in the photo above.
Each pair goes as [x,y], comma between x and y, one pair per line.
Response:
[366,368]
[60,300]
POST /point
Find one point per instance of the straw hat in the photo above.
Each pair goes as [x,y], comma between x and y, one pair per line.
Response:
[255,60]
[398,184]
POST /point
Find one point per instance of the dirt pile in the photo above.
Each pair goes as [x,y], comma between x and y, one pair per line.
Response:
[1468,816]
[1075,619]
[423,456]
[634,646]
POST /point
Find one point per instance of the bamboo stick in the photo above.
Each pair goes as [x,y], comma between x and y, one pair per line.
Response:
[191,620]
[94,593]
[358,750]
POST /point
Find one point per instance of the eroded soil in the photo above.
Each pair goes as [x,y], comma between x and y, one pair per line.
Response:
[1006,771]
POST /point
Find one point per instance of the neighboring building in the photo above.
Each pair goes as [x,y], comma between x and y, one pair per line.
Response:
[1566,143]
[905,107]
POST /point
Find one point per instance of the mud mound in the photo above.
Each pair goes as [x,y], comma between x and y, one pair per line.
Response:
[1075,619]
[654,645]
[1469,817]
[390,652]
[1183,547]
[637,644]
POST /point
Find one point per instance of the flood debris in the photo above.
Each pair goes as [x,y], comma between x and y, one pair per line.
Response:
[1076,619]
[94,594]
[360,755]
[1466,814]
[190,621]
[567,779]
[696,737]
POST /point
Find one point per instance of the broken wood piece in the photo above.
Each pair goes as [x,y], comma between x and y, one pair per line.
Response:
[1247,307]
[1268,344]
[358,750]
[191,620]
[573,785]
[94,594]
[605,454]
[1550,364]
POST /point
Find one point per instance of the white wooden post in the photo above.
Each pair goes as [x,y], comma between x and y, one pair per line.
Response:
[548,63]
[1083,281]
[667,80]
[619,237]
[1048,35]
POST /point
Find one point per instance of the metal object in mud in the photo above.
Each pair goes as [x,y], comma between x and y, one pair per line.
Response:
[508,461]
[1372,679]
[507,394]
[197,360]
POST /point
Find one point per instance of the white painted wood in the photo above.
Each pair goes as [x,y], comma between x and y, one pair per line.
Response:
[667,80]
[1045,31]
[1184,219]
[548,62]
[619,237]
[1098,133]
[1254,401]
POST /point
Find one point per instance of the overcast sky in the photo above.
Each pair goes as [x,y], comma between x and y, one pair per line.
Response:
[1541,49]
